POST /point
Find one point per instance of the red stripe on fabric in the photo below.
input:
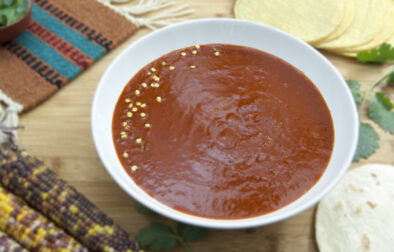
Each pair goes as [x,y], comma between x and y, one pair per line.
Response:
[66,49]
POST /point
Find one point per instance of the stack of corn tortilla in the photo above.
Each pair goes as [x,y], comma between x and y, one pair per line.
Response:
[344,27]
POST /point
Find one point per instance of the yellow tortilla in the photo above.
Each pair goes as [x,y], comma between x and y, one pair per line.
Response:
[391,40]
[349,6]
[309,20]
[367,22]
[383,35]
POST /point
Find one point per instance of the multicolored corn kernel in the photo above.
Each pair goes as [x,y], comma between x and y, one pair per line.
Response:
[40,187]
[32,230]
[10,245]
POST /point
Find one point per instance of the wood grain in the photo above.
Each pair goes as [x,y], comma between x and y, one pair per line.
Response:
[58,132]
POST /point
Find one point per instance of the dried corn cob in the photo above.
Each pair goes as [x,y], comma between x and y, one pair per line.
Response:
[41,188]
[7,244]
[31,229]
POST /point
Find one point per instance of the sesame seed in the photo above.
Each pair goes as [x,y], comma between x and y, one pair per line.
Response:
[125,155]
[123,136]
[143,114]
[129,114]
[197,46]
[158,99]
[153,69]
[138,140]
[163,63]
[183,53]
[147,125]
[217,53]
[155,85]
[137,92]
[149,73]
[192,66]
[135,109]
[124,125]
[156,78]
[194,52]
[134,168]
[138,103]
[127,100]
[130,105]
[143,105]
[144,85]
[171,68]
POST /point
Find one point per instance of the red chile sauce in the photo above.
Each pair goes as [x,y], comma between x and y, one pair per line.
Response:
[228,132]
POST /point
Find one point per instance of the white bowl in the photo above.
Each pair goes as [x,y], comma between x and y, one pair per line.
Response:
[229,31]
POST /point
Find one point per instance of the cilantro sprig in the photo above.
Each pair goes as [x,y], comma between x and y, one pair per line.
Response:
[379,111]
[381,55]
[12,10]
[161,236]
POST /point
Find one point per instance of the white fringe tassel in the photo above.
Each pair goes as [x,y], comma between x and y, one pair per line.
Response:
[166,17]
[145,6]
[9,118]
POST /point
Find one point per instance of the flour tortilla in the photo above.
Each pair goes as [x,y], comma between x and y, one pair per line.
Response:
[386,32]
[358,214]
[309,20]
[367,22]
[349,6]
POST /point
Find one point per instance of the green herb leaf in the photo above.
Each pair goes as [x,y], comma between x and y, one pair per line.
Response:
[191,233]
[3,20]
[390,79]
[379,111]
[143,209]
[8,2]
[157,236]
[355,89]
[12,10]
[380,55]
[367,142]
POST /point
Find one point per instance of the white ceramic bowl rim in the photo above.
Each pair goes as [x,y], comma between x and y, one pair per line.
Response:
[227,31]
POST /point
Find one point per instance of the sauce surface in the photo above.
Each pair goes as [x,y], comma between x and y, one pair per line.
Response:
[222,131]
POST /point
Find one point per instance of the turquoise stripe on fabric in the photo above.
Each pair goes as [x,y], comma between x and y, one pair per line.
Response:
[48,55]
[66,33]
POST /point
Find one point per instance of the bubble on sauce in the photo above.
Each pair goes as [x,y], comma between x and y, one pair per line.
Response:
[227,138]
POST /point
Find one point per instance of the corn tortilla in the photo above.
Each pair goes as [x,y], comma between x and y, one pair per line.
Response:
[383,35]
[309,20]
[357,215]
[349,6]
[367,22]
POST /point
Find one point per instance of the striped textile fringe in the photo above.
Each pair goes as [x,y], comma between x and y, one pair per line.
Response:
[9,119]
[166,17]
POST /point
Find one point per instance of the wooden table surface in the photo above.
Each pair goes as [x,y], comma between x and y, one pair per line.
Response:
[59,133]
